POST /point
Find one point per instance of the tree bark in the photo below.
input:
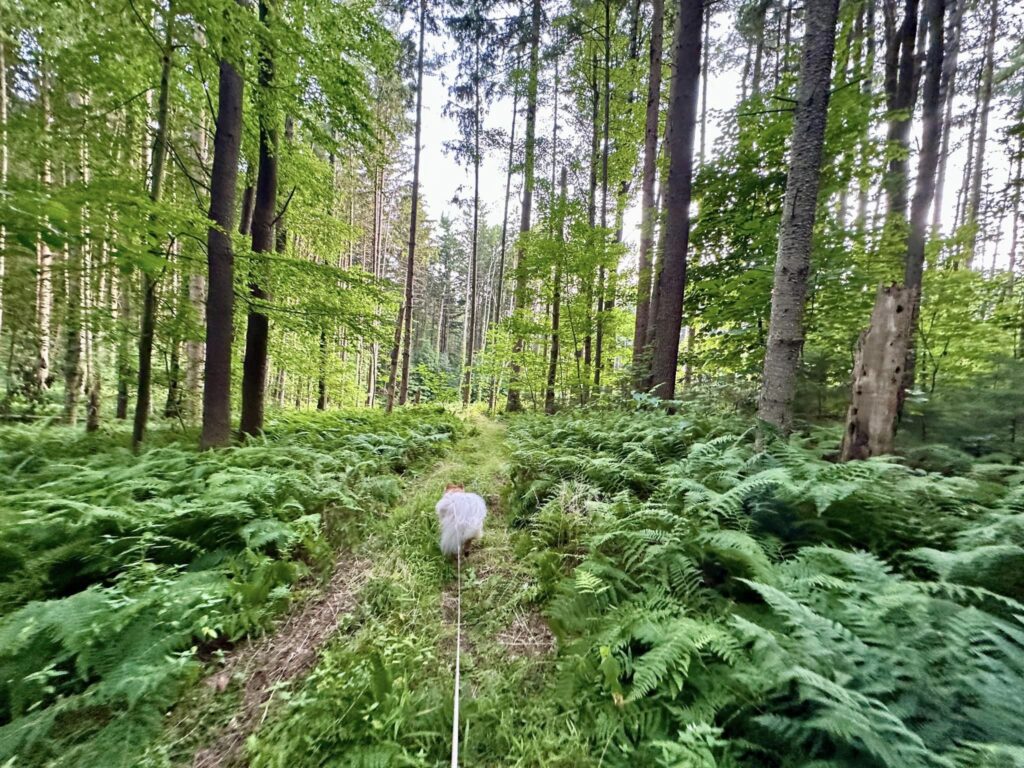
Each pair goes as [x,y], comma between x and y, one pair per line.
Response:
[556,299]
[948,96]
[149,280]
[514,402]
[44,256]
[257,331]
[605,151]
[796,232]
[682,117]
[985,104]
[641,364]
[220,294]
[900,90]
[409,270]
[471,336]
[878,376]
[925,187]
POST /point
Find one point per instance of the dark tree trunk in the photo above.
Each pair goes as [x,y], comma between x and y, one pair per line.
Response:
[149,280]
[796,232]
[641,364]
[602,299]
[514,402]
[414,214]
[900,89]
[220,296]
[257,331]
[924,191]
[248,199]
[471,334]
[556,301]
[682,117]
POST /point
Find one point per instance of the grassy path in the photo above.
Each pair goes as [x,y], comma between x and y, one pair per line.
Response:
[381,691]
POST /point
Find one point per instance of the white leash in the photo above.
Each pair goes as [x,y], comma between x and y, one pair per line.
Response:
[458,653]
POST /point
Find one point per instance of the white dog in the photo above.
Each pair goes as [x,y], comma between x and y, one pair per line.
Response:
[461,516]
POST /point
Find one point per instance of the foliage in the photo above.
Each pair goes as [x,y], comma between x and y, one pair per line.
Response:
[720,606]
[121,573]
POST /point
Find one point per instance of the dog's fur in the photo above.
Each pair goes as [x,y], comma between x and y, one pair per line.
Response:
[461,516]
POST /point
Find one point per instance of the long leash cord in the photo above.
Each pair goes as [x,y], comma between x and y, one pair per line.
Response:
[458,653]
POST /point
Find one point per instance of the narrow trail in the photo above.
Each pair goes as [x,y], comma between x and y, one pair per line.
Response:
[399,557]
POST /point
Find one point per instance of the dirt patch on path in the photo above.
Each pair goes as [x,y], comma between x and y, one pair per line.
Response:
[278,658]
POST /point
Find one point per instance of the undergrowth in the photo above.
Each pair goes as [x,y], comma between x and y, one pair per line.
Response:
[120,574]
[717,606]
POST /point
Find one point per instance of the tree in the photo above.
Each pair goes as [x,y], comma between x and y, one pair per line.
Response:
[514,402]
[679,141]
[149,279]
[257,331]
[643,287]
[414,212]
[220,297]
[793,264]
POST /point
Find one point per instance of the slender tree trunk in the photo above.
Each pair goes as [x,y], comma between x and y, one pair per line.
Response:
[248,200]
[556,299]
[682,117]
[899,89]
[948,97]
[641,364]
[4,164]
[257,331]
[321,382]
[925,187]
[220,295]
[471,336]
[605,151]
[149,280]
[393,368]
[409,272]
[785,329]
[73,338]
[985,103]
[514,402]
[44,256]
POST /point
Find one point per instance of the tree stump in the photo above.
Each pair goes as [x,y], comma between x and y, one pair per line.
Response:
[878,375]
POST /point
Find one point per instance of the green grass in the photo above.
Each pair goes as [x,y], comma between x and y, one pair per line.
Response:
[382,694]
[120,572]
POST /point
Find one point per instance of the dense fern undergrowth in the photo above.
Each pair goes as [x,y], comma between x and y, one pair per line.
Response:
[120,574]
[717,606]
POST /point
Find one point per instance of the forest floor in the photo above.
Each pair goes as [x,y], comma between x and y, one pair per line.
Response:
[396,570]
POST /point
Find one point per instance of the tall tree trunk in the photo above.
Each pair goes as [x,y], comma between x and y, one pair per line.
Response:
[605,151]
[925,187]
[796,232]
[641,364]
[471,336]
[556,299]
[149,280]
[257,331]
[900,89]
[220,294]
[393,368]
[514,402]
[948,96]
[248,200]
[4,164]
[682,119]
[985,103]
[44,255]
[414,214]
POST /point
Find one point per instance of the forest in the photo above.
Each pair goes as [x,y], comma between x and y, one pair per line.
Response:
[718,304]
